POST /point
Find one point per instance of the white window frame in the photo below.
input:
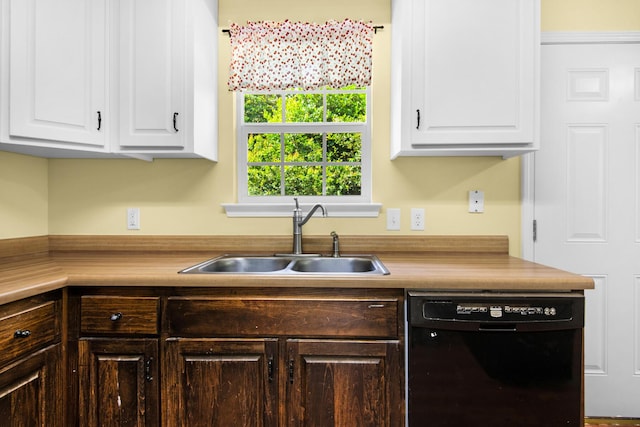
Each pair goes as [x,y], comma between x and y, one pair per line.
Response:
[341,206]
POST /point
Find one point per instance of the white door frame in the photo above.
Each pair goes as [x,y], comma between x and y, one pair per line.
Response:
[527,161]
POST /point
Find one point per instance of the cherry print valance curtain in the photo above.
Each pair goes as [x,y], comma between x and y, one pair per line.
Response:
[287,55]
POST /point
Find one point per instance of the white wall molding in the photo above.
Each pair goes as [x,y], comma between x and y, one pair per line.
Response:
[589,37]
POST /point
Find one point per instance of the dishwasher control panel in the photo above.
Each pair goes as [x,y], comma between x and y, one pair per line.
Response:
[498,311]
[495,308]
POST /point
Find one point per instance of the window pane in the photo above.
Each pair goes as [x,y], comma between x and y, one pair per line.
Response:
[262,108]
[344,147]
[303,180]
[304,108]
[263,147]
[344,181]
[348,107]
[303,147]
[263,180]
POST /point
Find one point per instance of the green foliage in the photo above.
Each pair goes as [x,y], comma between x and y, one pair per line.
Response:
[308,157]
[262,108]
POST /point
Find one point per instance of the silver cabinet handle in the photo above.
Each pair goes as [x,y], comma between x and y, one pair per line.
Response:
[22,333]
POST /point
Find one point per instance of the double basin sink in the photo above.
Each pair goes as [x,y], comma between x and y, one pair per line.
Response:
[290,265]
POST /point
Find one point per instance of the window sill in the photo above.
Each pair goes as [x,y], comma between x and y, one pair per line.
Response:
[334,210]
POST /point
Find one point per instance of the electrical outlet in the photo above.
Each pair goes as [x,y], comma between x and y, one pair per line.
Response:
[393,219]
[417,219]
[476,201]
[133,218]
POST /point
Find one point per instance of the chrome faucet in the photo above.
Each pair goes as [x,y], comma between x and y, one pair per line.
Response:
[299,221]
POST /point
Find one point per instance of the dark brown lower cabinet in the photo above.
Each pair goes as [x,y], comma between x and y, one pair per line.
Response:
[328,383]
[220,382]
[30,390]
[119,383]
[343,383]
[237,357]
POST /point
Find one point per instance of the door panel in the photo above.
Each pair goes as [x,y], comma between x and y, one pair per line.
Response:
[30,391]
[587,202]
[343,383]
[118,382]
[57,77]
[151,56]
[220,382]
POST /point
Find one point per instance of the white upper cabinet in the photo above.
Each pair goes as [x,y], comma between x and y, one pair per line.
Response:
[150,47]
[110,78]
[165,77]
[465,77]
[55,64]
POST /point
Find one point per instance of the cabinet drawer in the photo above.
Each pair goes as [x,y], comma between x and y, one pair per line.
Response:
[29,329]
[119,315]
[291,317]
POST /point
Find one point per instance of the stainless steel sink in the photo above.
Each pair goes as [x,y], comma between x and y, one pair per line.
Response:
[242,264]
[338,265]
[290,265]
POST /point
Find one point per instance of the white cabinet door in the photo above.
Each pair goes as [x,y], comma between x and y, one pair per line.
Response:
[165,78]
[57,81]
[465,76]
[150,74]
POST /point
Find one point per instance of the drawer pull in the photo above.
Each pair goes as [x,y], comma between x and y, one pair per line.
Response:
[376,306]
[116,316]
[22,333]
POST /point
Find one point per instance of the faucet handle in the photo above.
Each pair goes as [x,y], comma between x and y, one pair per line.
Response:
[297,205]
[336,245]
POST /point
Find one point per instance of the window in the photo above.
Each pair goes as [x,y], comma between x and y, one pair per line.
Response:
[314,145]
[303,116]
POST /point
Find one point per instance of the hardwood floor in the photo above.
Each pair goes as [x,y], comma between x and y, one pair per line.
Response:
[610,422]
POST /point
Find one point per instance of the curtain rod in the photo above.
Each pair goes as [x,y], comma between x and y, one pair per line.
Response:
[375,30]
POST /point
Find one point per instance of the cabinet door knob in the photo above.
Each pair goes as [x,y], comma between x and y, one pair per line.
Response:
[22,333]
[116,316]
[175,118]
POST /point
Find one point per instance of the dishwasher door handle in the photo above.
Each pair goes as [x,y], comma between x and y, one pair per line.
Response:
[508,327]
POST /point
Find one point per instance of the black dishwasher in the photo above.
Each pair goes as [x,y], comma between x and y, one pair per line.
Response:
[494,359]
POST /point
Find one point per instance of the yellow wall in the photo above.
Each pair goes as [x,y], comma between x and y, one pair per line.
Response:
[23,196]
[590,15]
[184,196]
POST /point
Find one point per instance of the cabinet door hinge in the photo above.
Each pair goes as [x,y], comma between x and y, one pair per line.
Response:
[270,369]
[535,230]
[290,371]
[147,369]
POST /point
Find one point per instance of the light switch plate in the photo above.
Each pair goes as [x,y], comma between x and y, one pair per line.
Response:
[393,219]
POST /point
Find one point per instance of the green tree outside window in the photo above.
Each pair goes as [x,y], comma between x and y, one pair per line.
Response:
[291,162]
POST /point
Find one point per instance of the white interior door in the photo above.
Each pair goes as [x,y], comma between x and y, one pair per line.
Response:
[587,205]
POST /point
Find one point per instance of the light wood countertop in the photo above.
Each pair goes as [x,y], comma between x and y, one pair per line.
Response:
[438,262]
